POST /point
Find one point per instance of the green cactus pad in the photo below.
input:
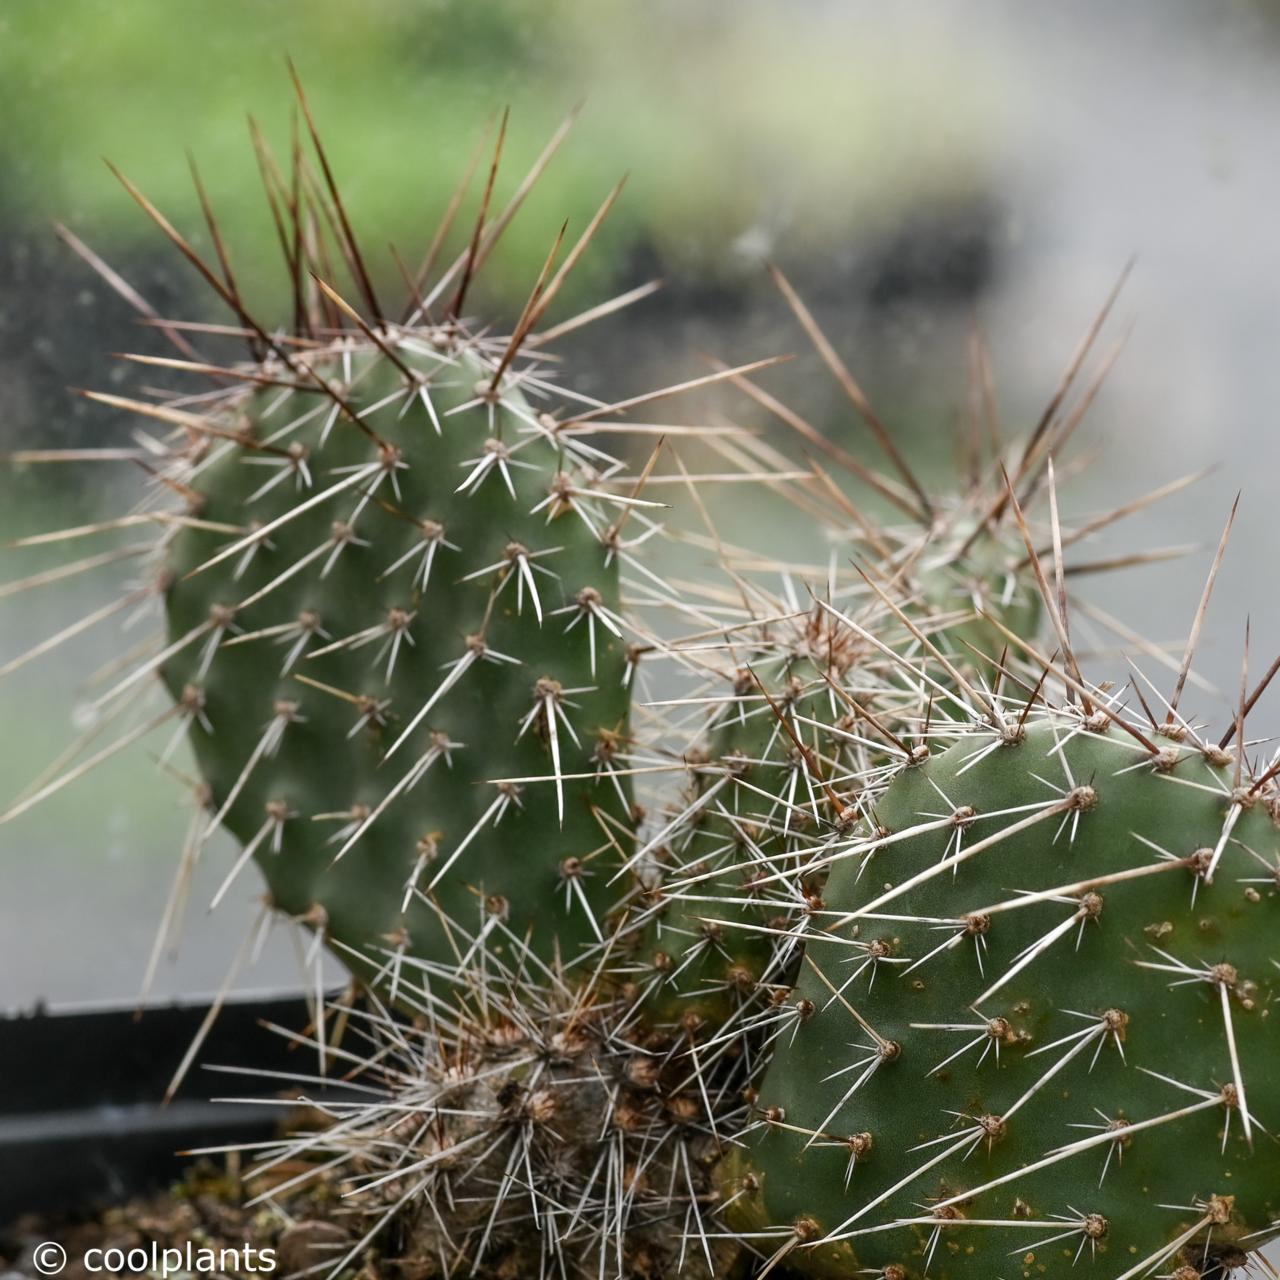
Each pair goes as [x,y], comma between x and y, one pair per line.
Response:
[754,806]
[1035,1036]
[711,952]
[420,606]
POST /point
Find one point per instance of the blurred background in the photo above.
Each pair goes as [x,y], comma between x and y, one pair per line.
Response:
[914,167]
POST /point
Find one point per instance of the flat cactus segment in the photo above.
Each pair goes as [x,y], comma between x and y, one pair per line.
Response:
[410,630]
[1034,1036]
[790,743]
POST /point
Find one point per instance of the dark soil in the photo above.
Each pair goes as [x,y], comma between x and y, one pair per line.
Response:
[305,1228]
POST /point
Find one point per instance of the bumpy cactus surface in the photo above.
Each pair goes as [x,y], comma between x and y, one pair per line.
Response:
[420,609]
[1034,1026]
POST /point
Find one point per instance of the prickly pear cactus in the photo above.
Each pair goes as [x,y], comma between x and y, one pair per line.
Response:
[993,1009]
[816,707]
[720,944]
[1033,1035]
[388,572]
[414,617]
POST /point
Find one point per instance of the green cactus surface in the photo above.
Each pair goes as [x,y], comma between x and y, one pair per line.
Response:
[791,741]
[417,605]
[1033,1036]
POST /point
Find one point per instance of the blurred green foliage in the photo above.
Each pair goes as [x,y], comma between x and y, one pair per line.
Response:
[736,120]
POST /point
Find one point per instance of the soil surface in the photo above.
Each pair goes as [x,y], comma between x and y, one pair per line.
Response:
[303,1229]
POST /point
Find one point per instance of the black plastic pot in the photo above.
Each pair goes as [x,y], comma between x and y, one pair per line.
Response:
[81,1117]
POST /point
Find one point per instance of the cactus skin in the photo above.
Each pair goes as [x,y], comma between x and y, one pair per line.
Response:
[724,938]
[518,869]
[1152,974]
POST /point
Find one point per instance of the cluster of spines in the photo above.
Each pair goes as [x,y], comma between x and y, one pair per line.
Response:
[537,1123]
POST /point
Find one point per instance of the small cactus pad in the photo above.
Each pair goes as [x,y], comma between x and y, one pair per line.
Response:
[415,606]
[791,733]
[1034,1034]
[518,1133]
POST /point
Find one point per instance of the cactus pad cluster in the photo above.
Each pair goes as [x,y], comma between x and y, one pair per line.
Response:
[853,932]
